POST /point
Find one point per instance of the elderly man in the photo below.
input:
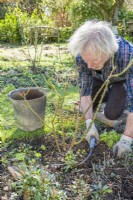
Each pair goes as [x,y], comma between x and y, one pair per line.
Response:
[97,51]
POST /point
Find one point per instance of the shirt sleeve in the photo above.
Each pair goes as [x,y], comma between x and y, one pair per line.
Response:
[123,58]
[129,83]
[85,77]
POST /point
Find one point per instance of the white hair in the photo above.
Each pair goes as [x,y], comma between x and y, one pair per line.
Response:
[95,37]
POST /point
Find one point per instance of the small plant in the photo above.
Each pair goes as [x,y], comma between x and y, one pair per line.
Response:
[81,188]
[128,161]
[37,184]
[100,191]
[70,160]
[110,138]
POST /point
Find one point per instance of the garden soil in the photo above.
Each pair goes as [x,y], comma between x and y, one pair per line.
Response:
[101,169]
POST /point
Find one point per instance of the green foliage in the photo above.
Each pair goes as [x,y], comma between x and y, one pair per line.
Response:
[20,156]
[16,25]
[17,74]
[29,6]
[9,29]
[82,11]
[110,138]
[63,14]
[8,128]
[11,26]
[6,115]
[37,183]
[129,38]
[70,160]
[43,147]
[100,191]
[65,33]
[129,15]
[58,11]
[3,9]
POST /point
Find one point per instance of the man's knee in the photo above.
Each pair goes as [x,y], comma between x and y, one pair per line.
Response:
[112,114]
[116,101]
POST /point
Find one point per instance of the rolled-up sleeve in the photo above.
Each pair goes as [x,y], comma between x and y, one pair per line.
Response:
[85,77]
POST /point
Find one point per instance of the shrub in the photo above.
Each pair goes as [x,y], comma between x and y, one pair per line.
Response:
[16,25]
[10,26]
[65,33]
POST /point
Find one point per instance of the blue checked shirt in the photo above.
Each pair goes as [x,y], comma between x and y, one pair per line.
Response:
[120,60]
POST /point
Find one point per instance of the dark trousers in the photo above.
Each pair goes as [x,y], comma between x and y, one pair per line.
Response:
[115,98]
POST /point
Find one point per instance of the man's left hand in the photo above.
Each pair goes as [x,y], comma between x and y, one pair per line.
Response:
[123,146]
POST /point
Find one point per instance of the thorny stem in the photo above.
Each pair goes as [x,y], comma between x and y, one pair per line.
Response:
[37,56]
[62,124]
[98,107]
[95,114]
[51,85]
[74,136]
[59,110]
[29,54]
[77,126]
[121,73]
[35,49]
[75,132]
[53,128]
[56,113]
[59,107]
[103,85]
[40,54]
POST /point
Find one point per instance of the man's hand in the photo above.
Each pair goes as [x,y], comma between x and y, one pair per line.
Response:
[123,146]
[92,131]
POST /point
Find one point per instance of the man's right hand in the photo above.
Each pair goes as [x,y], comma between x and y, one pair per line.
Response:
[92,131]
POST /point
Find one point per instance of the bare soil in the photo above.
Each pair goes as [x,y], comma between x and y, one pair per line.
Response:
[102,168]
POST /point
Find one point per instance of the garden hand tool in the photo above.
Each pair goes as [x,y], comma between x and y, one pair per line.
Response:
[92,145]
[123,146]
[93,132]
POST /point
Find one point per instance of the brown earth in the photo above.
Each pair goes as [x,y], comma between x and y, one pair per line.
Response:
[102,168]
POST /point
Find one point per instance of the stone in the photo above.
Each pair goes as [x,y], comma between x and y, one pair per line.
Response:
[15,172]
[112,123]
[6,188]
[4,197]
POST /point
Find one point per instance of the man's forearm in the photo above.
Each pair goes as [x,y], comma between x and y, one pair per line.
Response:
[85,104]
[129,125]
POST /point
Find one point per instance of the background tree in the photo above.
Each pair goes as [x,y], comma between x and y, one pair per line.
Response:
[81,11]
[109,10]
[58,11]
[29,5]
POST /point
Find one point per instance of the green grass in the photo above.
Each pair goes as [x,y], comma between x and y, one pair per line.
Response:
[16,74]
[9,128]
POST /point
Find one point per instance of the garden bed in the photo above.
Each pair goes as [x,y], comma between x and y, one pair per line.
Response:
[94,179]
[101,177]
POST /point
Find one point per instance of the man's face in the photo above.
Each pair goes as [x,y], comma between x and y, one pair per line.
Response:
[94,63]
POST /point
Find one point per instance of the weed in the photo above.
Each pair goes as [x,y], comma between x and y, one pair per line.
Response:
[100,191]
[70,160]
[110,138]
[81,188]
[128,161]
[37,184]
